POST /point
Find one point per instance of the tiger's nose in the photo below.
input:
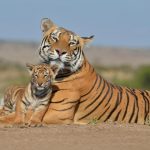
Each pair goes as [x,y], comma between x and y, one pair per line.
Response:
[60,52]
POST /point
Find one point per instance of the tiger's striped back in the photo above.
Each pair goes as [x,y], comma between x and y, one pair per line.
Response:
[107,102]
[97,99]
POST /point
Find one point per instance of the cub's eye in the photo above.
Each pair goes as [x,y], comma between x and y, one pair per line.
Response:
[45,75]
[35,75]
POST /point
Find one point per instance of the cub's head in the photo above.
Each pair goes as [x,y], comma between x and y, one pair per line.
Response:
[61,46]
[42,75]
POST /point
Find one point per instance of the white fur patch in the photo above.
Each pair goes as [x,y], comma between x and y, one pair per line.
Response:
[58,63]
[78,63]
[1,103]
[63,57]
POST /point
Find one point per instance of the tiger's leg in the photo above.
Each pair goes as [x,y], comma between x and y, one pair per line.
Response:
[35,118]
[7,119]
[28,115]
[1,112]
[11,96]
[62,108]
[19,114]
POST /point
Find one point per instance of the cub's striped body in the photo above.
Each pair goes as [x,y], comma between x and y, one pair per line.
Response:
[29,104]
[10,97]
[81,94]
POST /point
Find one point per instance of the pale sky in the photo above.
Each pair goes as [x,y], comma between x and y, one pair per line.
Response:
[113,22]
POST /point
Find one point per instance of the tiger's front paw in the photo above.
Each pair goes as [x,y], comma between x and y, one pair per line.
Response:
[5,120]
[19,123]
[34,123]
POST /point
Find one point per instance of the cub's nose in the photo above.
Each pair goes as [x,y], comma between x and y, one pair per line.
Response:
[39,84]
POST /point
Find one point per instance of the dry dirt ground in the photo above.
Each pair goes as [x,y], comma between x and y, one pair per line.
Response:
[75,137]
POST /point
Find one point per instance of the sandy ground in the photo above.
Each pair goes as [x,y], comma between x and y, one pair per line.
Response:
[74,137]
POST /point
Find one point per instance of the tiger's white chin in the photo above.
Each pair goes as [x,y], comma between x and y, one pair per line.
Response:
[58,63]
[74,65]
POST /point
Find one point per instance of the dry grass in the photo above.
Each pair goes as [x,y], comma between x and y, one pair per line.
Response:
[12,74]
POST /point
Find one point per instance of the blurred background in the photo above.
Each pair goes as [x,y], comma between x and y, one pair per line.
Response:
[120,51]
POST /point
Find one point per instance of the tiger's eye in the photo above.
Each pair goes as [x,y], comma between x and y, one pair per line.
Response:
[45,75]
[54,38]
[72,43]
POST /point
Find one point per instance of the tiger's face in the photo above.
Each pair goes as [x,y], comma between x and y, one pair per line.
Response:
[42,76]
[61,46]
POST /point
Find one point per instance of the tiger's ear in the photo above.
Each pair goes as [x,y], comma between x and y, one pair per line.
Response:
[30,67]
[46,24]
[55,69]
[86,40]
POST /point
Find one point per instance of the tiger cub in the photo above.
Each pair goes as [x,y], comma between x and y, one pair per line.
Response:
[30,103]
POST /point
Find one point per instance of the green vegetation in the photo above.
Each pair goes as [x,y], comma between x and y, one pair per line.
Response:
[142,77]
[127,76]
[12,74]
[93,121]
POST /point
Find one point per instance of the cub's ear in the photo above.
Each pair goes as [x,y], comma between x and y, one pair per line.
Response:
[86,40]
[30,67]
[46,24]
[55,69]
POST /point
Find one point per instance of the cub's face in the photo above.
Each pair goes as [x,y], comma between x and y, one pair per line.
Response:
[62,47]
[42,75]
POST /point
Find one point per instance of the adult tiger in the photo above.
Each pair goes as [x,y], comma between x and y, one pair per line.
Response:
[82,95]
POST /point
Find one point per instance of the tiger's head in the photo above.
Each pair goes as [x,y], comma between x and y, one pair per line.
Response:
[61,46]
[42,76]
